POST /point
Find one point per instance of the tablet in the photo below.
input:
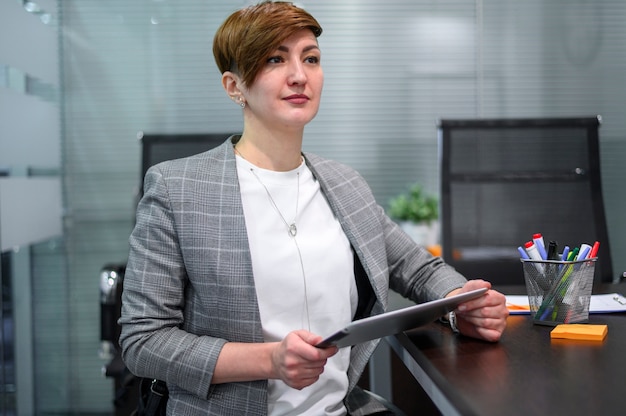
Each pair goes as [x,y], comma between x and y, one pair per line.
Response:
[394,322]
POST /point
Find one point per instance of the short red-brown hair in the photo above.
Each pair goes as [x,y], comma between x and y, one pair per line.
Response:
[250,35]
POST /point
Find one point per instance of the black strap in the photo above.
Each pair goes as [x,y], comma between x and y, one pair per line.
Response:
[153,400]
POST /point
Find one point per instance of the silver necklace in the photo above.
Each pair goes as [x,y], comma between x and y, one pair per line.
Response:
[292,230]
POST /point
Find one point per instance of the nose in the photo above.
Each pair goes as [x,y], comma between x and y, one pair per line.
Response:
[297,73]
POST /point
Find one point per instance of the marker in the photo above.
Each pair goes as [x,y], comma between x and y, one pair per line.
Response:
[552,269]
[594,250]
[584,251]
[552,251]
[545,313]
[568,316]
[533,254]
[538,239]
[564,256]
[523,253]
[565,253]
[572,254]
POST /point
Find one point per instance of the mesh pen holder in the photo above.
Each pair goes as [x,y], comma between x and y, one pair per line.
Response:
[559,292]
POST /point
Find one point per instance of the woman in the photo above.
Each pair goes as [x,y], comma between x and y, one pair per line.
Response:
[244,257]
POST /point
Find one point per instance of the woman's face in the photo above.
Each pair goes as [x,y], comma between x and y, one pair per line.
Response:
[286,92]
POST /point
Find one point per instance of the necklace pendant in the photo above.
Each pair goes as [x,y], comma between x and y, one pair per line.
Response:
[293,230]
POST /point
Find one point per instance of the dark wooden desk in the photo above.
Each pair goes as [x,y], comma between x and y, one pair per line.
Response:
[526,373]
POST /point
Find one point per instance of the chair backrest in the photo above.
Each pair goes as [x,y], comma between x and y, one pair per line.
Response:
[503,180]
[160,147]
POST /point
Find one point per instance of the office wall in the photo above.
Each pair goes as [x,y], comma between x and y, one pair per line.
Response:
[392,70]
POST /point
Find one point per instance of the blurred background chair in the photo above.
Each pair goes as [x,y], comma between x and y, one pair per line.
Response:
[503,180]
[155,148]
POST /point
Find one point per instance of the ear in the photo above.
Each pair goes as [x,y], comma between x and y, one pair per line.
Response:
[231,83]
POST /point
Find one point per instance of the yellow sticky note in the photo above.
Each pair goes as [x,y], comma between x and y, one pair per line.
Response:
[580,331]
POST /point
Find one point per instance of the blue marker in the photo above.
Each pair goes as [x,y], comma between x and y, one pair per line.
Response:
[564,256]
[523,253]
[545,313]
[546,307]
[565,253]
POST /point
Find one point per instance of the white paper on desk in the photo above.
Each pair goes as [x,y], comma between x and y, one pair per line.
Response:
[612,302]
[606,303]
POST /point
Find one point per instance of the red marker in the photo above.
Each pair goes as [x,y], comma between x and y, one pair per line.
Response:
[533,253]
[594,250]
[541,247]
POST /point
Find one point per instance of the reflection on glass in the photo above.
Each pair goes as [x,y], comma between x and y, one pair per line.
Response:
[19,81]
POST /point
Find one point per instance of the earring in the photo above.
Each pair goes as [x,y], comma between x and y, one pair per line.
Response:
[239,99]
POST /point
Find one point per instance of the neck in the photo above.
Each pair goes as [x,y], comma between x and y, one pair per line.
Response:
[272,152]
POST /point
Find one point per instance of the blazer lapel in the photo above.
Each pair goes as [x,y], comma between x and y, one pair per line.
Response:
[343,198]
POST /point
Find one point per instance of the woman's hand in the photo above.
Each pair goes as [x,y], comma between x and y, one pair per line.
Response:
[294,360]
[483,317]
[297,361]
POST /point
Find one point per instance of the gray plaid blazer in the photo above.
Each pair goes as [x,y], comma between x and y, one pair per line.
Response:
[189,288]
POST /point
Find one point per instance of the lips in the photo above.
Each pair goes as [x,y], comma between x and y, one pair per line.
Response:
[297,99]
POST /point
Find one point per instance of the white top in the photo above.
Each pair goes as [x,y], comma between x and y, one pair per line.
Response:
[324,296]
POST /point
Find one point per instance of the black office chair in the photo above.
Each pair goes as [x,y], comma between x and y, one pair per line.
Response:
[155,148]
[503,180]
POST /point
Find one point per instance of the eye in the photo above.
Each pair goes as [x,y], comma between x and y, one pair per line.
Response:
[274,59]
[312,59]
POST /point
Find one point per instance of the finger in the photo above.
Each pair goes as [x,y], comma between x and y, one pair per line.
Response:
[308,337]
[488,331]
[492,335]
[302,377]
[497,323]
[491,299]
[315,353]
[478,316]
[476,284]
[302,383]
[484,322]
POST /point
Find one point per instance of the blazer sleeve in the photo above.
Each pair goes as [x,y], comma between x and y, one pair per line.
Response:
[413,271]
[152,341]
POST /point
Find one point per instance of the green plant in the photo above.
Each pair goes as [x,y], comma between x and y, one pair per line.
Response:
[415,205]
